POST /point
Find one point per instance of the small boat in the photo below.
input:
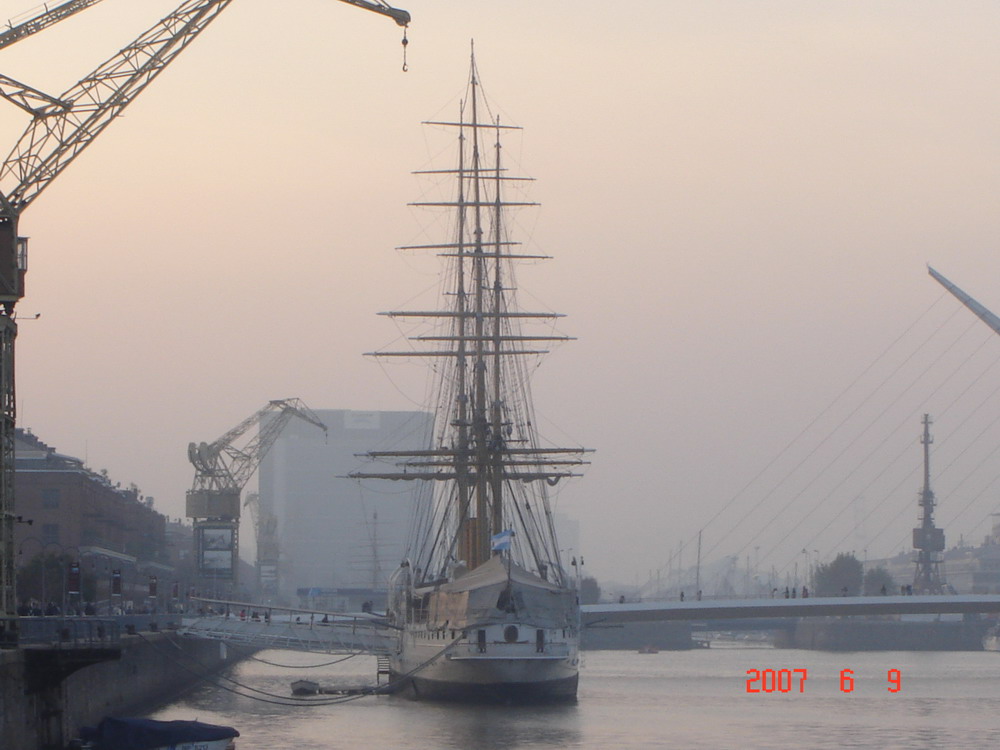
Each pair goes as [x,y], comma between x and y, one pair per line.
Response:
[150,734]
[305,687]
[649,650]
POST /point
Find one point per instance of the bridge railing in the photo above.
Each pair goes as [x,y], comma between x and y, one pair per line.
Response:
[340,634]
[69,632]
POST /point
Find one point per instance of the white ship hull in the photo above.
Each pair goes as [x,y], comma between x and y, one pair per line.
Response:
[529,668]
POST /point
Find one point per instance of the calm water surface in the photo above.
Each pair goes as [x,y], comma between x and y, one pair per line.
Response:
[692,699]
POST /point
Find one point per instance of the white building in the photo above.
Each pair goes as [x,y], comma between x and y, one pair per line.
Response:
[335,532]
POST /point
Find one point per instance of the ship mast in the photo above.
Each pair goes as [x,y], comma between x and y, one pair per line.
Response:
[477,553]
[486,451]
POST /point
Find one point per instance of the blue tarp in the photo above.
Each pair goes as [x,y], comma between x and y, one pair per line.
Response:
[147,734]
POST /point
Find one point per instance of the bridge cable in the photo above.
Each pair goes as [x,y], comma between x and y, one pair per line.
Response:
[816,419]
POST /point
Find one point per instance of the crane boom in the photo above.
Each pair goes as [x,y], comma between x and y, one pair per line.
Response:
[62,127]
[222,465]
[401,17]
[43,20]
[57,134]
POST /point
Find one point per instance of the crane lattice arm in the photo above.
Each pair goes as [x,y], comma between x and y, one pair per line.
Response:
[59,131]
[223,466]
[43,20]
[62,126]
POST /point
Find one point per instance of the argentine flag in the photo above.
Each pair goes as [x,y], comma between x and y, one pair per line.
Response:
[501,541]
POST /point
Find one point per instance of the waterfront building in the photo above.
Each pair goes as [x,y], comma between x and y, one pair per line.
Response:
[968,569]
[69,511]
[976,569]
[334,532]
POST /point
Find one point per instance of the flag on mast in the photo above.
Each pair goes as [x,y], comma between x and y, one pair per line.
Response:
[501,541]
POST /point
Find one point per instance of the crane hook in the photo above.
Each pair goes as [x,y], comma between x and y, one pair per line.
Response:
[405,42]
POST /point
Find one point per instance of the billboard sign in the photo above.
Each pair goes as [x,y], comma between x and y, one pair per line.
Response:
[216,550]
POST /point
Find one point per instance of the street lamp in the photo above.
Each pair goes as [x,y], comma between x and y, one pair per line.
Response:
[62,560]
[41,559]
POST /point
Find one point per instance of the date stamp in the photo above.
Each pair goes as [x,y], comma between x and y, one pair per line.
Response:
[794,680]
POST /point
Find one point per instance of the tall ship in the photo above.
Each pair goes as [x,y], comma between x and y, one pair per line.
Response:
[484,604]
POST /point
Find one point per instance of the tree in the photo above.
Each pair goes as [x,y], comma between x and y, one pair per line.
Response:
[590,591]
[879,581]
[842,576]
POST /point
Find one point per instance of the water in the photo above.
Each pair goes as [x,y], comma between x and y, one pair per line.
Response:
[692,699]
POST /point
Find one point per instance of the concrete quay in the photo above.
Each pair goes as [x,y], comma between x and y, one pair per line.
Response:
[74,674]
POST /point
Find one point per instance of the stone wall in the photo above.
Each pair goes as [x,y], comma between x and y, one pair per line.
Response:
[154,668]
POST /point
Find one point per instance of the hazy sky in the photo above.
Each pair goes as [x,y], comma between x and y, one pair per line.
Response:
[740,198]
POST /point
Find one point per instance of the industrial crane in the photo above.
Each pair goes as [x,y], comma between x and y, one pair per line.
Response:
[265,524]
[40,22]
[221,472]
[61,127]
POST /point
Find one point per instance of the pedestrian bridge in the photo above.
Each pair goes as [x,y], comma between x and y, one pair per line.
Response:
[263,626]
[832,606]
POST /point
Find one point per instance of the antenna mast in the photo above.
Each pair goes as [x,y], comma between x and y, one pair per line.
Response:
[928,540]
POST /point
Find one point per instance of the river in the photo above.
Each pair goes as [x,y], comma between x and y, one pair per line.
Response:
[690,699]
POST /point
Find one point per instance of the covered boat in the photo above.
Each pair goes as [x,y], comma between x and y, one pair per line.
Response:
[150,734]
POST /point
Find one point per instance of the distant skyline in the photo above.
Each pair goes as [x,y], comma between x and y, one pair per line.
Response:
[740,199]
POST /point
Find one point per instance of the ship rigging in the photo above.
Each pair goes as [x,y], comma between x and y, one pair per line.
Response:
[483,565]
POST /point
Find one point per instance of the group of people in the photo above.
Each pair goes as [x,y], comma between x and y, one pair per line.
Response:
[794,592]
[34,608]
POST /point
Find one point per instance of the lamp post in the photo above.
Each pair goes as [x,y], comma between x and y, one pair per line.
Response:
[41,558]
[812,570]
[71,572]
[63,560]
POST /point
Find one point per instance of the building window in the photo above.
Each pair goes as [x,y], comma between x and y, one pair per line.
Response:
[50,497]
[50,533]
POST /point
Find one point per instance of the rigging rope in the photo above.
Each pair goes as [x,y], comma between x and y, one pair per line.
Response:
[282,700]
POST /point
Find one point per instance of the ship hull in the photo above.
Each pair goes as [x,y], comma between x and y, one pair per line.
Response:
[468,670]
[560,690]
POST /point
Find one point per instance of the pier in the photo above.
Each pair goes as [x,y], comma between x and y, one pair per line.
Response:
[73,671]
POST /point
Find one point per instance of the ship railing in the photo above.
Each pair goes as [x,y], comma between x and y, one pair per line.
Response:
[518,649]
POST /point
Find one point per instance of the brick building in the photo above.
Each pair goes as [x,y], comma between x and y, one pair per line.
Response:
[79,513]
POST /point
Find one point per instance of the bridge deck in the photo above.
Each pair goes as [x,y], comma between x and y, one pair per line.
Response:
[288,633]
[811,607]
[329,632]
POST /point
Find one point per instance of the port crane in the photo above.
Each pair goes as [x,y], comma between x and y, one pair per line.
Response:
[222,470]
[265,525]
[61,127]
